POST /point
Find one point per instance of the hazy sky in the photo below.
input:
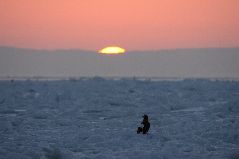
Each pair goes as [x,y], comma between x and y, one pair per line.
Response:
[132,24]
[167,63]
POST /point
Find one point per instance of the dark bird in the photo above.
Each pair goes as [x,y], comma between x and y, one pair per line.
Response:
[146,125]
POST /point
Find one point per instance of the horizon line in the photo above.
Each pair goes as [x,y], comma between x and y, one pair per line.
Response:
[140,50]
[7,78]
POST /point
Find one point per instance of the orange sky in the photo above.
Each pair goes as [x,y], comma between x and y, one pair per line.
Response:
[132,24]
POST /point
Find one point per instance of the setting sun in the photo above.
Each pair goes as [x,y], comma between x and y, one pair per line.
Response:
[112,50]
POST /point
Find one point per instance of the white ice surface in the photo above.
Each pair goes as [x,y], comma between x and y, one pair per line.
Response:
[98,118]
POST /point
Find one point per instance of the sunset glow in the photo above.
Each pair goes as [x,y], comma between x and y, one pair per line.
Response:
[112,50]
[134,24]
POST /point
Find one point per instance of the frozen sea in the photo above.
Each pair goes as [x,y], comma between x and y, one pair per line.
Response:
[97,118]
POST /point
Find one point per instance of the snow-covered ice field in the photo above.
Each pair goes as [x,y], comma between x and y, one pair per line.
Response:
[98,118]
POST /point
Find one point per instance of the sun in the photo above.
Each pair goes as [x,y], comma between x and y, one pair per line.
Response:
[112,50]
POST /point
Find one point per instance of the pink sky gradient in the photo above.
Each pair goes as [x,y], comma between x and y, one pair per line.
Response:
[132,24]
